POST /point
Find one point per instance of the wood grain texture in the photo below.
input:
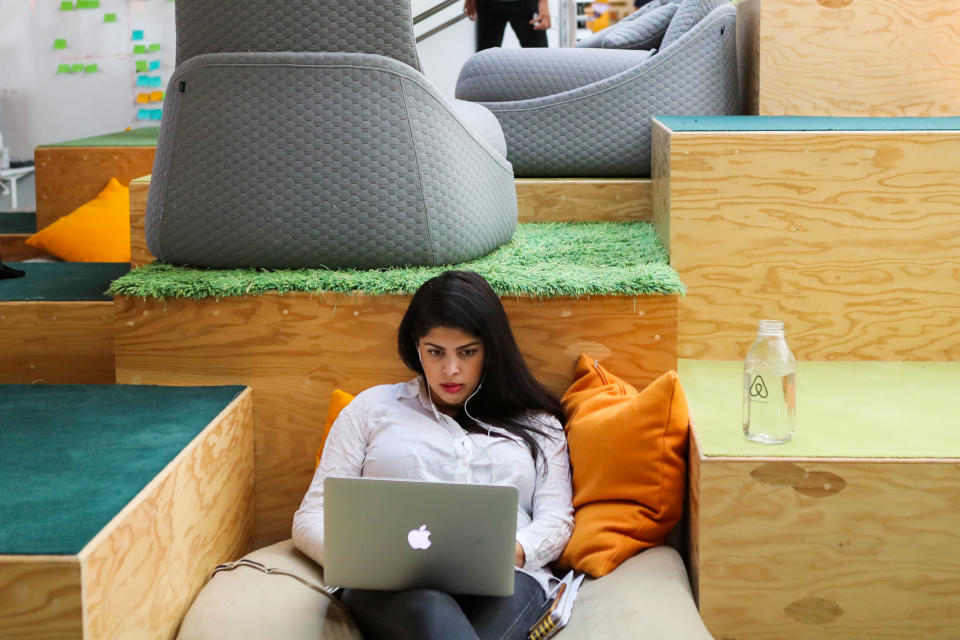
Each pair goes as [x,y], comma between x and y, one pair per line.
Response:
[829,549]
[660,180]
[40,597]
[294,350]
[139,253]
[67,177]
[56,342]
[859,58]
[586,200]
[748,53]
[850,238]
[142,571]
[13,248]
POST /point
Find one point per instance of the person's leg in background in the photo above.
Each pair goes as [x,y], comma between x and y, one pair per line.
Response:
[520,22]
[507,618]
[491,24]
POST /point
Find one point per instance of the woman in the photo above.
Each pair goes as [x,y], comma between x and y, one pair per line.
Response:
[474,414]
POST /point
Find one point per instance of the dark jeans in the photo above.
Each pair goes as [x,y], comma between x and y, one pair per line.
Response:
[492,19]
[425,614]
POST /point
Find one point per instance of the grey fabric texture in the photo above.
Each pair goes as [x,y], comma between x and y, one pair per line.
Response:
[689,13]
[643,33]
[595,40]
[338,160]
[497,74]
[483,123]
[603,129]
[648,596]
[219,26]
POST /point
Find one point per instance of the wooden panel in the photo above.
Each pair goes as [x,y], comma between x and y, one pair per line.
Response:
[693,514]
[40,597]
[67,177]
[142,571]
[850,238]
[56,342]
[295,349]
[748,52]
[660,180]
[139,253]
[586,200]
[14,249]
[829,549]
[859,58]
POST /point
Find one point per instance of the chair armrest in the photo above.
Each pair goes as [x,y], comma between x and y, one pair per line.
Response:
[504,75]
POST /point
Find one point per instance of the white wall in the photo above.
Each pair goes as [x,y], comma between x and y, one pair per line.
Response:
[39,105]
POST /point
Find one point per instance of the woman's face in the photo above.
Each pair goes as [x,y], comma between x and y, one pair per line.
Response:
[452,364]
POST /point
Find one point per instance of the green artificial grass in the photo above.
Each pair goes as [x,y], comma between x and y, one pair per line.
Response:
[542,260]
[139,137]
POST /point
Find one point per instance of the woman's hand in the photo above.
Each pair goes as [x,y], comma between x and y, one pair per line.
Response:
[470,9]
[519,558]
[542,21]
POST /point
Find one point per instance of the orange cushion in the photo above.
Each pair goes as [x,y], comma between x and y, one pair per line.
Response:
[98,231]
[338,400]
[628,455]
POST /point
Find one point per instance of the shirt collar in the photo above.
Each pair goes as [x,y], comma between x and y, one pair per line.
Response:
[417,388]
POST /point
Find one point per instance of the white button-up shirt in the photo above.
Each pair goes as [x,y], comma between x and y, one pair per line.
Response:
[395,431]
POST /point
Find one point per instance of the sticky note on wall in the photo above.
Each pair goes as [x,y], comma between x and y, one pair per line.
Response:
[141,65]
[156,81]
[154,65]
[143,98]
[66,6]
[156,96]
[76,68]
[156,114]
[109,17]
[143,114]
[153,47]
[91,68]
[137,34]
[139,49]
[88,4]
[60,43]
[143,81]
[63,68]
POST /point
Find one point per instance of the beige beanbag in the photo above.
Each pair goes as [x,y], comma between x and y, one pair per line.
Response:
[247,604]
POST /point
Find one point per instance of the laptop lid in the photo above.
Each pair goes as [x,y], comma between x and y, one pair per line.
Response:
[400,534]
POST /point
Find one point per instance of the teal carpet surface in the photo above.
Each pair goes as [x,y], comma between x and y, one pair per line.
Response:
[72,456]
[18,222]
[806,123]
[61,281]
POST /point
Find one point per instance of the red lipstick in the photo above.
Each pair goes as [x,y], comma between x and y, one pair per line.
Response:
[451,388]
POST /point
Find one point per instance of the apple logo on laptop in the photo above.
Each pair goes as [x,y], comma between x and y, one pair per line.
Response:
[419,538]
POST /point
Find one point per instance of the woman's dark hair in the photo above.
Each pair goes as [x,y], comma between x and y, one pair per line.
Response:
[463,300]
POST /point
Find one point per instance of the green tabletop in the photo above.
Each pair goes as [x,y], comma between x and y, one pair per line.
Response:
[844,409]
[140,137]
[72,456]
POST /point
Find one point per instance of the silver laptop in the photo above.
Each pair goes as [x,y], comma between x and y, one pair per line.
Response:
[399,534]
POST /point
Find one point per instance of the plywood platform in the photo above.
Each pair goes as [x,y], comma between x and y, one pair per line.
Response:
[848,235]
[295,349]
[68,174]
[138,574]
[850,530]
[56,326]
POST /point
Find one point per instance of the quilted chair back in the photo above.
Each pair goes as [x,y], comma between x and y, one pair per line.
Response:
[362,26]
[270,156]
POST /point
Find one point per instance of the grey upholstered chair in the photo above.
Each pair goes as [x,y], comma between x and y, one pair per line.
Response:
[297,134]
[586,111]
